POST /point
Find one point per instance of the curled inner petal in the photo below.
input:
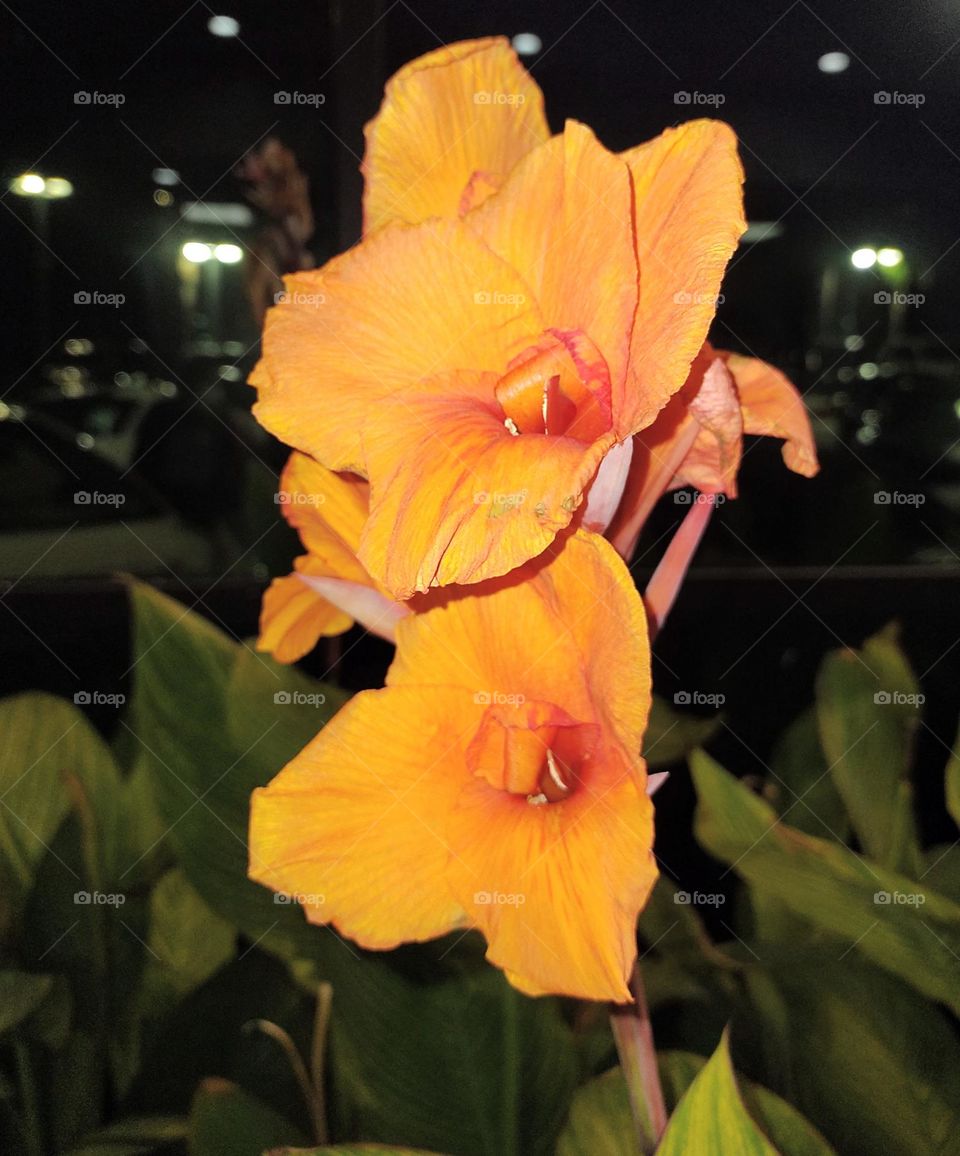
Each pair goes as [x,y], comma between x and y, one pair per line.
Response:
[558,386]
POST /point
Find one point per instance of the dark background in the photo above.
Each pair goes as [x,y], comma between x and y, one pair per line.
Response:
[832,167]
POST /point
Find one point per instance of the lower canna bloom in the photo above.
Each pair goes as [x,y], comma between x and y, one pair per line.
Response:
[494,783]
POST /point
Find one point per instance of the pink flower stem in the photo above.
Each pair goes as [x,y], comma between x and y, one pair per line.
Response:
[633,1034]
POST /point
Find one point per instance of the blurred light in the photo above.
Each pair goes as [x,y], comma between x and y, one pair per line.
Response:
[167,389]
[228,254]
[28,185]
[889,257]
[167,177]
[863,258]
[162,198]
[122,379]
[223,26]
[230,373]
[868,371]
[866,435]
[834,62]
[853,342]
[196,252]
[5,411]
[762,231]
[846,373]
[85,441]
[57,187]
[956,408]
[78,346]
[228,213]
[527,43]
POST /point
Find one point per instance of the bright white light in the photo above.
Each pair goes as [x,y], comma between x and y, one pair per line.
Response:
[834,62]
[889,257]
[196,252]
[57,187]
[527,43]
[28,185]
[223,26]
[167,177]
[228,254]
[863,258]
[758,231]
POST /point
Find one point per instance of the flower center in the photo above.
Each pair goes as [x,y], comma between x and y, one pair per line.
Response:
[531,749]
[559,386]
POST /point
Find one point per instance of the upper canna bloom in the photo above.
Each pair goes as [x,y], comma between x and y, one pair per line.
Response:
[494,783]
[520,306]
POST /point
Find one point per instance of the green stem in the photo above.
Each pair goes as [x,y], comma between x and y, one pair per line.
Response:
[321,1028]
[633,1034]
[28,1099]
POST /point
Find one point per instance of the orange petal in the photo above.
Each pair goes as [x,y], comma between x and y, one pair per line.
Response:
[355,826]
[563,221]
[713,460]
[293,618]
[328,510]
[455,497]
[689,217]
[771,405]
[463,108]
[407,303]
[556,889]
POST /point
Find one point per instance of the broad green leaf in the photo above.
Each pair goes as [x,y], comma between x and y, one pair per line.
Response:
[600,1122]
[227,1121]
[436,1062]
[671,736]
[711,1116]
[899,924]
[136,1136]
[21,994]
[953,782]
[868,711]
[872,1063]
[42,738]
[351,1150]
[801,788]
[187,941]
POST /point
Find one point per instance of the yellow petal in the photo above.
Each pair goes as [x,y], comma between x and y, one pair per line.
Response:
[689,218]
[355,826]
[465,108]
[293,617]
[563,220]
[409,302]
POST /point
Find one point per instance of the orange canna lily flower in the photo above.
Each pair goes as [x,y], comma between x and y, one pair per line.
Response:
[698,438]
[518,309]
[328,589]
[494,783]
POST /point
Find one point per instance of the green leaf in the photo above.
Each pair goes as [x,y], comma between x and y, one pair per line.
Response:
[21,994]
[868,712]
[670,735]
[953,782]
[456,1062]
[801,788]
[872,1062]
[41,739]
[600,1121]
[351,1150]
[227,1121]
[711,1116]
[136,1136]
[187,941]
[905,928]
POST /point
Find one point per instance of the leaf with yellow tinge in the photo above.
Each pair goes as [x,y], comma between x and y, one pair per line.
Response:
[711,1116]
